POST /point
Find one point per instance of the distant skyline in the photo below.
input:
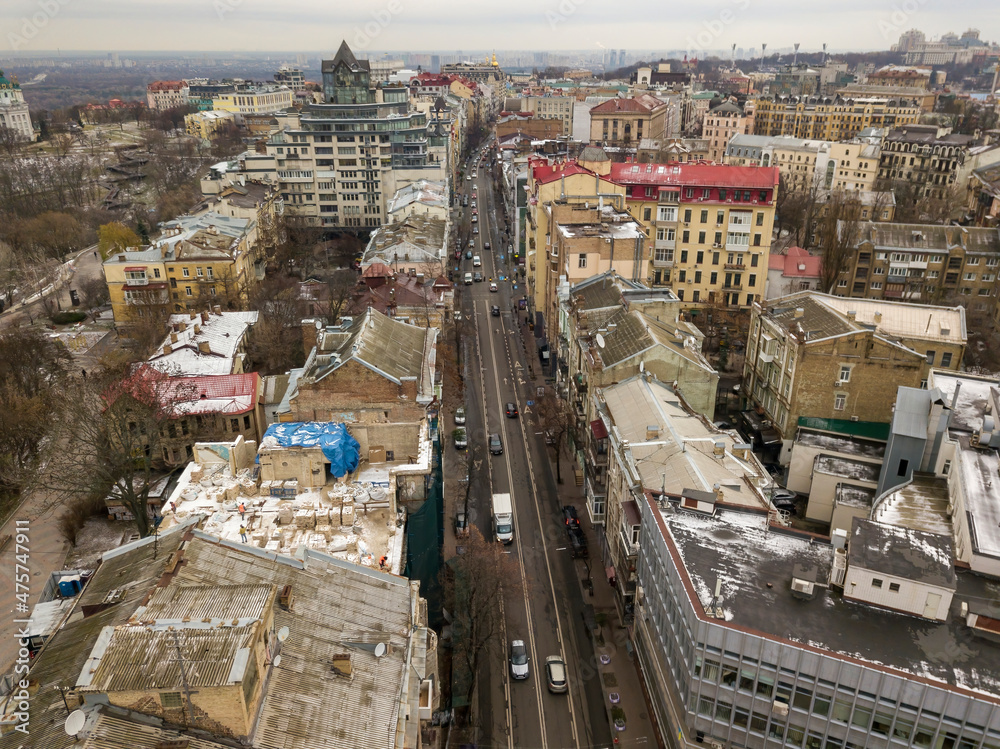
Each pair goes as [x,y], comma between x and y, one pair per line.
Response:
[32,26]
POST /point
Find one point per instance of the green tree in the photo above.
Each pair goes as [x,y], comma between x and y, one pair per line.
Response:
[115,237]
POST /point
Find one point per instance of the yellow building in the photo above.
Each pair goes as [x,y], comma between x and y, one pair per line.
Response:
[257,102]
[709,226]
[830,118]
[205,125]
[197,263]
[550,185]
[625,122]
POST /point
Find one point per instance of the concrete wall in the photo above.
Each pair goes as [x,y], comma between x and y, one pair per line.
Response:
[355,393]
[822,494]
[307,465]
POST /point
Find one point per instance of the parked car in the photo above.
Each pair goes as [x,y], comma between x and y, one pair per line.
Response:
[783,499]
[461,525]
[495,311]
[572,520]
[468,279]
[496,446]
[460,438]
[475,219]
[511,410]
[578,542]
[555,674]
[518,659]
[460,415]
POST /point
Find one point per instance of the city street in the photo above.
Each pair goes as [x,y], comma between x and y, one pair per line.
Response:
[548,616]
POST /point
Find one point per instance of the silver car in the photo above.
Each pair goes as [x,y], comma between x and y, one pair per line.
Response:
[518,659]
[555,674]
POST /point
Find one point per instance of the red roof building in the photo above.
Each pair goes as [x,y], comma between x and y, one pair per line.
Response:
[795,270]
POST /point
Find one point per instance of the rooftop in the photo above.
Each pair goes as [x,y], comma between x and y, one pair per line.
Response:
[417,238]
[902,552]
[842,444]
[715,175]
[203,344]
[920,504]
[753,562]
[680,454]
[796,263]
[826,316]
[640,104]
[929,237]
[853,470]
[425,192]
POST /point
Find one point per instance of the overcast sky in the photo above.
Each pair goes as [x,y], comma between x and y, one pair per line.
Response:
[447,25]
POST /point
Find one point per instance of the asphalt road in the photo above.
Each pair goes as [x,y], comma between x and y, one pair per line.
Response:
[547,615]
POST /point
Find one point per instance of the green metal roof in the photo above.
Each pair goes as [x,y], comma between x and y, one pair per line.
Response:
[869,429]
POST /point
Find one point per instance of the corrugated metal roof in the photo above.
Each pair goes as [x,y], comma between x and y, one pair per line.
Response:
[201,602]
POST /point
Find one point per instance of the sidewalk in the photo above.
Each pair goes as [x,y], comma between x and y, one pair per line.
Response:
[617,669]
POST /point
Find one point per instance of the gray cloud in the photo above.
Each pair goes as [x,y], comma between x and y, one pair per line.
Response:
[318,25]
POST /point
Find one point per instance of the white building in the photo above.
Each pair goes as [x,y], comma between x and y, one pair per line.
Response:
[13,111]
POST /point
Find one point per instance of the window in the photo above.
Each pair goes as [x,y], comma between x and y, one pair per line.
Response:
[765,686]
[682,276]
[171,700]
[821,705]
[667,214]
[893,587]
[802,698]
[901,470]
[845,373]
[199,272]
[700,257]
[758,722]
[902,730]
[876,285]
[723,711]
[704,217]
[876,582]
[713,278]
[156,272]
[728,676]
[697,276]
[684,256]
[862,717]
[186,272]
[647,213]
[706,707]
[701,237]
[687,215]
[685,236]
[722,194]
[839,402]
[582,260]
[720,216]
[756,240]
[187,290]
[842,710]
[718,238]
[946,359]
[715,258]
[930,356]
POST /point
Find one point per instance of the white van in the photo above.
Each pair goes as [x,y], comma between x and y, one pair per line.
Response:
[476,262]
[468,279]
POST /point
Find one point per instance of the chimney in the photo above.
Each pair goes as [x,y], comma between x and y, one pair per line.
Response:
[310,332]
[168,349]
[652,431]
[192,315]
[197,329]
[204,316]
[852,315]
[183,326]
[720,449]
[217,309]
[799,312]
[717,488]
[173,338]
[204,347]
[878,318]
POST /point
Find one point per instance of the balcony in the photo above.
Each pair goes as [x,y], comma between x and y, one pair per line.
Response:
[734,287]
[735,266]
[734,247]
[142,281]
[766,358]
[662,263]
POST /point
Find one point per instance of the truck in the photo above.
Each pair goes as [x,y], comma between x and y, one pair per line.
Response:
[503,518]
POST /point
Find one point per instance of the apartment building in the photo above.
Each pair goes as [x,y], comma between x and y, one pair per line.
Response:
[670,150]
[830,118]
[551,108]
[549,185]
[813,355]
[198,262]
[625,122]
[856,164]
[205,125]
[933,159]
[901,76]
[339,162]
[417,245]
[14,114]
[924,263]
[804,164]
[721,124]
[709,226]
[984,196]
[291,77]
[166,94]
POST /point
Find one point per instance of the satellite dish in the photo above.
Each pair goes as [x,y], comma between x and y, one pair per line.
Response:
[283,634]
[600,340]
[75,721]
[277,661]
[380,650]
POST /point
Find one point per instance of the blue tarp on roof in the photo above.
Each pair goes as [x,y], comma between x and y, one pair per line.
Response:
[339,447]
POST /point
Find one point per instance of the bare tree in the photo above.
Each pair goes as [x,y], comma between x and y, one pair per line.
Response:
[274,343]
[556,419]
[838,236]
[114,420]
[340,285]
[33,371]
[483,577]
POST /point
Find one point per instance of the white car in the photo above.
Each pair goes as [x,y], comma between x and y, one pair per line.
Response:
[468,279]
[518,660]
[476,262]
[493,286]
